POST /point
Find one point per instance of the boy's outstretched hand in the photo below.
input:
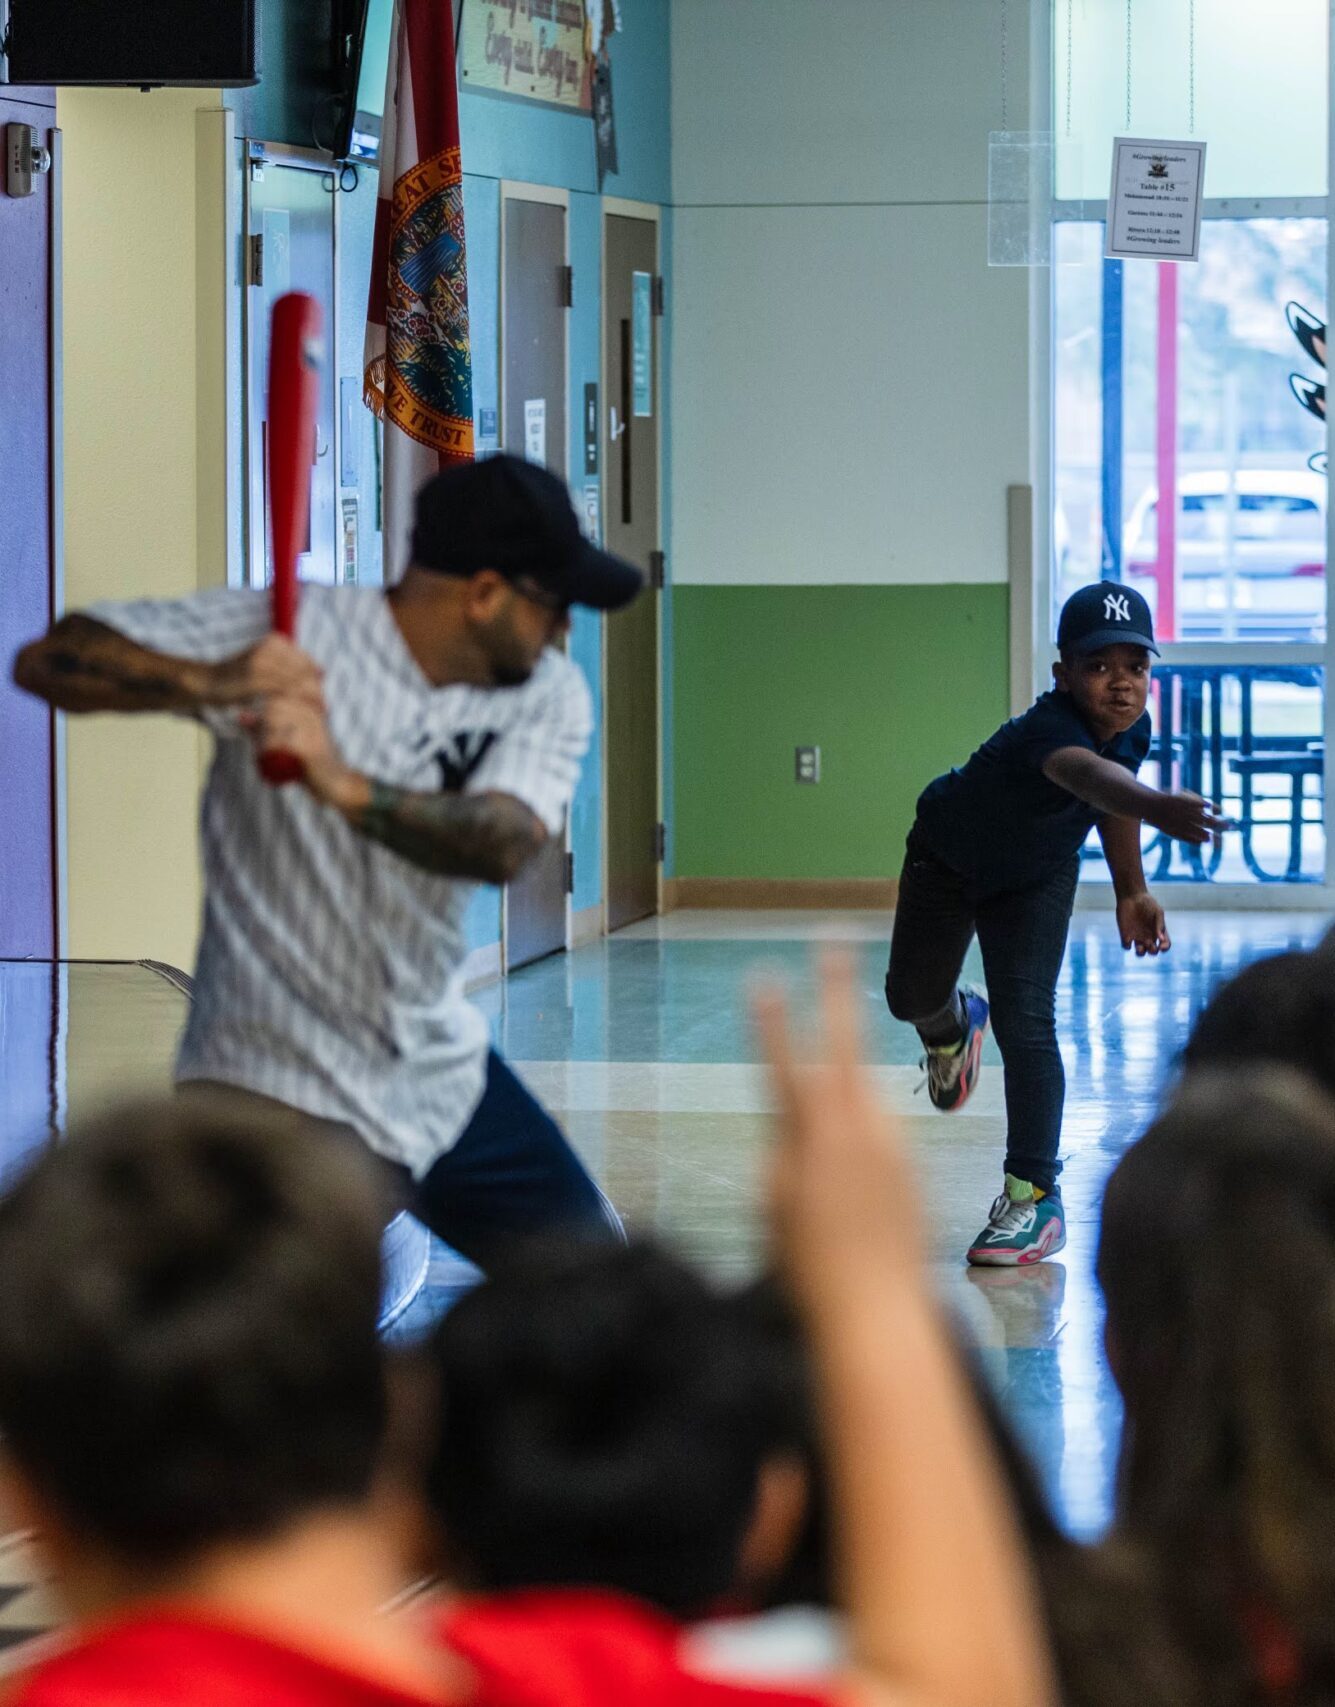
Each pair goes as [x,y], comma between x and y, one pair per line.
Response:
[1187,818]
[1140,919]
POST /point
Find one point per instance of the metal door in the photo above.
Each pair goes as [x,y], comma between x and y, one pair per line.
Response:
[630,506]
[290,246]
[534,425]
[28,523]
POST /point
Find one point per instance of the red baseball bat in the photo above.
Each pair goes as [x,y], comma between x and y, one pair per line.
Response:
[294,388]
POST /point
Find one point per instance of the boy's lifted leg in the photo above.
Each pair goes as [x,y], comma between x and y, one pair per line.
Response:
[934,925]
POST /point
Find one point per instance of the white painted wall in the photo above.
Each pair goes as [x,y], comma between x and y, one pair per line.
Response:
[850,377]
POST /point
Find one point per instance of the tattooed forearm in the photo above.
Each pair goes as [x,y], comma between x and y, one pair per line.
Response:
[83,665]
[490,837]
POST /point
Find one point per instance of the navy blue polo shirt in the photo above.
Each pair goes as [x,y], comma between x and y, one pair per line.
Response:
[1002,824]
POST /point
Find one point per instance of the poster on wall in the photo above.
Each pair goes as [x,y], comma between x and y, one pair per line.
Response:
[642,342]
[348,572]
[534,49]
[1154,204]
[604,122]
[591,518]
[535,430]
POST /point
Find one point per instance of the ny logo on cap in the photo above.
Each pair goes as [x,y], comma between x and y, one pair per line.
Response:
[1116,609]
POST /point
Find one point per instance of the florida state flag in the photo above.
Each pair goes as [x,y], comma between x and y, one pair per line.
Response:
[418,374]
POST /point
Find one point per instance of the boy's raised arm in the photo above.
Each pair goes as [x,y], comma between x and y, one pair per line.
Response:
[1111,789]
[941,1605]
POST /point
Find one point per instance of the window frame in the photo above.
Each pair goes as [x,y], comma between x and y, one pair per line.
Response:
[1032,652]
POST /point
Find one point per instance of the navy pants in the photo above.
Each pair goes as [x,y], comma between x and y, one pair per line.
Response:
[1023,938]
[511,1175]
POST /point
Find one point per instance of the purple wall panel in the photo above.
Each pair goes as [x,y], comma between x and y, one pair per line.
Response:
[27,911]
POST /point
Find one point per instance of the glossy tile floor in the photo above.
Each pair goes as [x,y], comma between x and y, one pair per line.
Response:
[641,1046]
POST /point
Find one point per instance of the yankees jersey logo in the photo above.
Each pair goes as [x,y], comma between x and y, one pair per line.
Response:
[461,758]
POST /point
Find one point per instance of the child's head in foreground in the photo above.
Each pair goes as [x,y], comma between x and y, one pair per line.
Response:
[610,1419]
[188,1348]
[1217,1262]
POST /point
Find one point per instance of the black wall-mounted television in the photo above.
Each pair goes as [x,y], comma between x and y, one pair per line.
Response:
[362,54]
[207,44]
[363,57]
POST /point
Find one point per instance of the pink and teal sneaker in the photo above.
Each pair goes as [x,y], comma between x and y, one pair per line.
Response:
[1026,1226]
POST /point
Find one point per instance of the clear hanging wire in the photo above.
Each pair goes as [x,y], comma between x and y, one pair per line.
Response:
[1191,67]
[1128,64]
[1005,68]
[1070,35]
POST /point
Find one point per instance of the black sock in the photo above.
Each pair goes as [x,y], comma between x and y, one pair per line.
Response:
[944,1030]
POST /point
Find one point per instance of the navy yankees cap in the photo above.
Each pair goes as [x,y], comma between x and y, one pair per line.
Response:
[512,516]
[1106,614]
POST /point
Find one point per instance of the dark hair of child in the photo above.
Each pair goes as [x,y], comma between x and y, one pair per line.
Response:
[1281,1010]
[605,1416]
[1217,1261]
[188,1348]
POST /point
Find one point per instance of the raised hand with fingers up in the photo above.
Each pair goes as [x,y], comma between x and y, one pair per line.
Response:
[938,1591]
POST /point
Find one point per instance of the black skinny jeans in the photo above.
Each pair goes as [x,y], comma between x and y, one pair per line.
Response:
[1023,938]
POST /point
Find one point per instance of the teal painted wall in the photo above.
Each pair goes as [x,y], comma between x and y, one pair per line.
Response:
[521,141]
[528,143]
[293,102]
[894,684]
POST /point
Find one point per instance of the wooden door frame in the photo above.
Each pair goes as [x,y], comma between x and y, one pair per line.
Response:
[619,207]
[514,189]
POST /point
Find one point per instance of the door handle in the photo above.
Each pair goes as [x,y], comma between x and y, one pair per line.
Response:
[616,429]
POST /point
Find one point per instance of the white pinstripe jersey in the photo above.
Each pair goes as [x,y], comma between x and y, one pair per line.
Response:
[330,969]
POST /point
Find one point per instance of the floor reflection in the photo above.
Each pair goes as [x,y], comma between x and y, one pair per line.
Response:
[641,1044]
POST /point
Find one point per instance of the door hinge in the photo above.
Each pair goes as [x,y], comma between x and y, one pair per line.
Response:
[658,295]
[255,260]
[567,287]
[660,843]
[570,874]
[657,570]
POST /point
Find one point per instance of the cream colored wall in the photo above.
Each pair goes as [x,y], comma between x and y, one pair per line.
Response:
[145,474]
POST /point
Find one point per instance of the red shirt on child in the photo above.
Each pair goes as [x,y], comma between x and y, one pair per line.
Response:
[590,1648]
[184,1659]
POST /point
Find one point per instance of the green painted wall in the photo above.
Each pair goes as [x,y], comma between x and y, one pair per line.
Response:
[894,684]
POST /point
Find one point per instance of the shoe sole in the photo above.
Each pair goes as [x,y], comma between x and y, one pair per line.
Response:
[969,1072]
[1051,1240]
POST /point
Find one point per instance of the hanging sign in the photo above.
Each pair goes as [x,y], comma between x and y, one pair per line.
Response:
[591,520]
[642,342]
[532,48]
[1154,204]
[535,430]
[349,570]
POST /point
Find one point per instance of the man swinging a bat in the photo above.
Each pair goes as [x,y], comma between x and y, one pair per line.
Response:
[437,731]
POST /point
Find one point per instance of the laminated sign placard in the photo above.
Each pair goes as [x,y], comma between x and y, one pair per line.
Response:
[1154,204]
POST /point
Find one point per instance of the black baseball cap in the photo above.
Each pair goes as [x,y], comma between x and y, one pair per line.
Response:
[1106,614]
[509,515]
